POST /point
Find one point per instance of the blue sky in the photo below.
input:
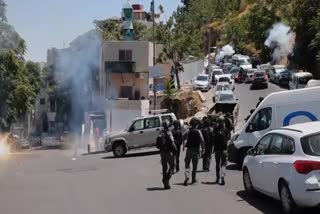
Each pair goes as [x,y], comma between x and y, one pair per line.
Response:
[55,23]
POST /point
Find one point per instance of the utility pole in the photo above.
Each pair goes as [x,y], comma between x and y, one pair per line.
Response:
[154,55]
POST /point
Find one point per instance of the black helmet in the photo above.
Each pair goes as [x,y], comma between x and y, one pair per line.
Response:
[177,124]
[165,124]
[261,98]
[206,122]
[194,122]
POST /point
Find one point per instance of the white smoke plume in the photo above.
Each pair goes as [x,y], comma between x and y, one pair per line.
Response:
[280,39]
[75,68]
[226,50]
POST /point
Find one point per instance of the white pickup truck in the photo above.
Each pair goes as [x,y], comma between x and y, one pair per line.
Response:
[141,132]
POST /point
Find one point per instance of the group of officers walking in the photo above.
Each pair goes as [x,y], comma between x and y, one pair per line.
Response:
[202,139]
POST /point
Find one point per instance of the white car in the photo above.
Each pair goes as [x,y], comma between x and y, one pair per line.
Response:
[203,82]
[226,78]
[285,165]
[141,132]
[222,86]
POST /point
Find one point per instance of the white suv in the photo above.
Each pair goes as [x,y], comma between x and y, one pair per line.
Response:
[285,164]
[142,132]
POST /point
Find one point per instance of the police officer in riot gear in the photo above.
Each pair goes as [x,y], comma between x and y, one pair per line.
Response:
[178,139]
[220,149]
[207,133]
[195,143]
[165,143]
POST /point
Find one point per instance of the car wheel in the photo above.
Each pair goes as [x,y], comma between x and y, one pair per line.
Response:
[247,182]
[119,150]
[287,202]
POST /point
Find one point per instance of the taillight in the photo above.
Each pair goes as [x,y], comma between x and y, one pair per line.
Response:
[305,167]
[266,77]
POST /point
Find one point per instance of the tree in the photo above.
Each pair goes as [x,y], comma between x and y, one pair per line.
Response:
[169,91]
[304,19]
[19,81]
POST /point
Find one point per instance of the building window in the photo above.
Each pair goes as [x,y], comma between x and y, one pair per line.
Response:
[42,101]
[125,55]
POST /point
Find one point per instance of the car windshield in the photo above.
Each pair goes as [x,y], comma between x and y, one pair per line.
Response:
[234,70]
[202,78]
[217,72]
[226,97]
[311,145]
[224,79]
[279,70]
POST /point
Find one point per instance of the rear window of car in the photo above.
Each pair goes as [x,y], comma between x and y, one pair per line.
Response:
[217,72]
[226,97]
[311,145]
[259,74]
[224,79]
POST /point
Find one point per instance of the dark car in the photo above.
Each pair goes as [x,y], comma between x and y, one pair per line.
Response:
[285,77]
[260,79]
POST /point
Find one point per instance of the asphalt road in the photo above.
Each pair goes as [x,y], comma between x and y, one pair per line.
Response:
[53,181]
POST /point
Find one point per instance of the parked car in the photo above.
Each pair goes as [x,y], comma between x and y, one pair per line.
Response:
[285,165]
[141,132]
[226,78]
[221,86]
[203,82]
[285,77]
[216,72]
[300,80]
[227,67]
[226,102]
[267,68]
[275,73]
[276,110]
[260,79]
[235,73]
[249,77]
[51,141]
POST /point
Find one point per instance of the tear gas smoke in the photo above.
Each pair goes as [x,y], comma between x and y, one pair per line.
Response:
[226,50]
[75,67]
[280,39]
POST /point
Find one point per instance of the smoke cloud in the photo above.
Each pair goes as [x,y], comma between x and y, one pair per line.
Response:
[280,39]
[75,68]
[226,50]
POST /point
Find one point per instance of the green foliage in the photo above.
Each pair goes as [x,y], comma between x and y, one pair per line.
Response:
[169,91]
[109,29]
[19,81]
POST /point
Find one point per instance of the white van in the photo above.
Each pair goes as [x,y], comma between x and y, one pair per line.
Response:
[276,110]
[299,80]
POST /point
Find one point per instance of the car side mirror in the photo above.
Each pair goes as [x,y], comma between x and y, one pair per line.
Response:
[131,129]
[250,128]
[251,152]
[237,99]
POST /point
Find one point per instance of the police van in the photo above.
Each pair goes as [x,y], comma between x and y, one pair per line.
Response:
[276,110]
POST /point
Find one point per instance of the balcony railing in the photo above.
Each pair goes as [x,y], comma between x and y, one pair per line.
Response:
[120,67]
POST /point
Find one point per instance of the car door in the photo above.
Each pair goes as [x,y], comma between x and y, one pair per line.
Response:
[135,136]
[151,130]
[277,162]
[255,163]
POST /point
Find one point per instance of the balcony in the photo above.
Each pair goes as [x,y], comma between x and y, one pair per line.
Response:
[120,67]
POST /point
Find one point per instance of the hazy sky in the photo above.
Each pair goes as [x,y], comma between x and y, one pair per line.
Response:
[55,23]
